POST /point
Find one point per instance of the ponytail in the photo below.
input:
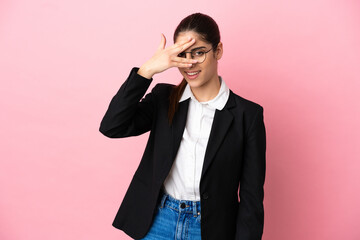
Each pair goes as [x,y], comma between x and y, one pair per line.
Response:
[174,98]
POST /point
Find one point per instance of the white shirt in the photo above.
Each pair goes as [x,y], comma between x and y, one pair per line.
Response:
[183,180]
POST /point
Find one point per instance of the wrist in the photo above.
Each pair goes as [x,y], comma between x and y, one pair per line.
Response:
[145,72]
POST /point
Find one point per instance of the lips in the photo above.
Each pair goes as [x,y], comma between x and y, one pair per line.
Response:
[192,74]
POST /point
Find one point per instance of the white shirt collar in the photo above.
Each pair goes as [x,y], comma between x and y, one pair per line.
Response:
[218,102]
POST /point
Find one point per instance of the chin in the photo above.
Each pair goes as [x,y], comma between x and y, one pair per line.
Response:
[194,84]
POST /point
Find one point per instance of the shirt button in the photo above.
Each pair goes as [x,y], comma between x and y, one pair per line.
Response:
[205,195]
[182,205]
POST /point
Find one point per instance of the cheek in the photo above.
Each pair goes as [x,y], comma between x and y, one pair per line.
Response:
[181,72]
[212,66]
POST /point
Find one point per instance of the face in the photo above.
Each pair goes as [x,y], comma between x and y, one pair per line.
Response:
[201,74]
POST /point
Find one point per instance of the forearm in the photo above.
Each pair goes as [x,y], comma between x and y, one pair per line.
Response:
[125,115]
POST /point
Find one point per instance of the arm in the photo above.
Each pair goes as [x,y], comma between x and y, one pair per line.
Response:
[250,218]
[127,115]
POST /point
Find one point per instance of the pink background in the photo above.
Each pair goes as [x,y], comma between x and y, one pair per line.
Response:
[62,61]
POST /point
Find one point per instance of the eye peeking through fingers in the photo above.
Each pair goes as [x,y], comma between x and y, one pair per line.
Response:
[198,54]
[194,54]
[182,55]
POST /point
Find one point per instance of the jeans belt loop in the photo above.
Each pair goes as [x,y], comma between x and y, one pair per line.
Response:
[194,209]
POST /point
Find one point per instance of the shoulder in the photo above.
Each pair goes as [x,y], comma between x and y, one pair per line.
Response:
[246,112]
[162,90]
[245,105]
[163,87]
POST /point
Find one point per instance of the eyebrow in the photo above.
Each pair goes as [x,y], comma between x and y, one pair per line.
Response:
[197,48]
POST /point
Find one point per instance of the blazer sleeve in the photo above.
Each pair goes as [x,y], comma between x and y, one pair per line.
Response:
[250,217]
[128,114]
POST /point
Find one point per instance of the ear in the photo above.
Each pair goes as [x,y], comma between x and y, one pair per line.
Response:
[219,51]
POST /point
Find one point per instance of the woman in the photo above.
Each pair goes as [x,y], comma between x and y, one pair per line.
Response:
[205,142]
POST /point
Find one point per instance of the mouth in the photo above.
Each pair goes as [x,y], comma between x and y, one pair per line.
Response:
[192,74]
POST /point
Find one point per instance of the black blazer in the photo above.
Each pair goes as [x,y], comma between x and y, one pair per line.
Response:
[235,155]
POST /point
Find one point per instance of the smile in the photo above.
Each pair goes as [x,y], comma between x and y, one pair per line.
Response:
[192,74]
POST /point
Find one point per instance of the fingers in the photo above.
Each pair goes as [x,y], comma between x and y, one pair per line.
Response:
[183,60]
[165,58]
[162,42]
[183,65]
[182,46]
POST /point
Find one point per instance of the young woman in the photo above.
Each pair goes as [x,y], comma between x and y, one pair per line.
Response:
[203,170]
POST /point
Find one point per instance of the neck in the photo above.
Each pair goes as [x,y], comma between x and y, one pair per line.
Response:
[207,91]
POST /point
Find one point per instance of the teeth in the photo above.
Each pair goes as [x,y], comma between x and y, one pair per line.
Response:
[193,73]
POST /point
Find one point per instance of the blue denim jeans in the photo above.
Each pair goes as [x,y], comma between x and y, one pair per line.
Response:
[176,220]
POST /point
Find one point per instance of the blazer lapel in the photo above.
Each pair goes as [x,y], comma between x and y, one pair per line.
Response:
[177,129]
[178,126]
[221,123]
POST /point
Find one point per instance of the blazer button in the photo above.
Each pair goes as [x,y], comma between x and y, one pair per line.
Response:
[205,195]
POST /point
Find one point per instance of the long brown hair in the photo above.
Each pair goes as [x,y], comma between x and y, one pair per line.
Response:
[208,29]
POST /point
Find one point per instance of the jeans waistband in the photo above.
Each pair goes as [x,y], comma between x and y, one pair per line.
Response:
[185,206]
